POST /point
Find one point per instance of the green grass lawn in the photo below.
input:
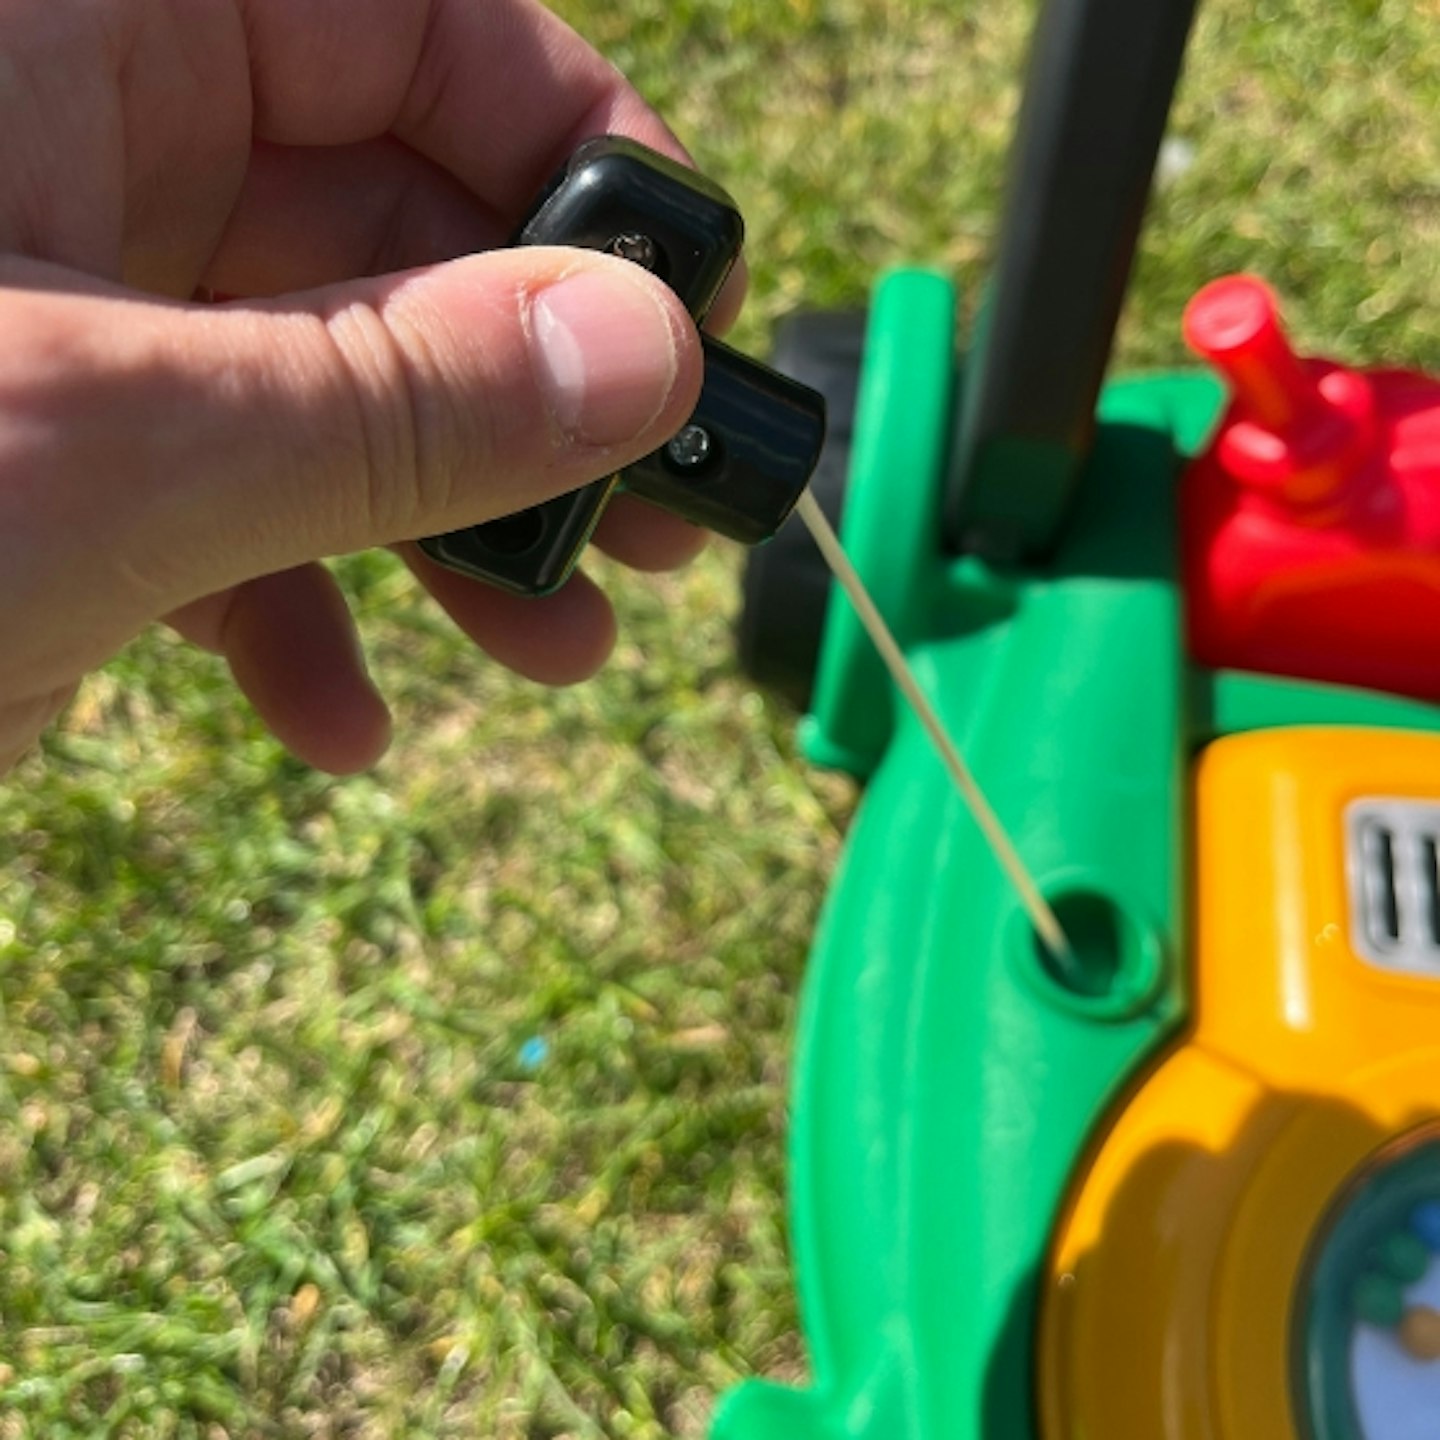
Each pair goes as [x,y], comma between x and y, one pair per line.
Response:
[450,1100]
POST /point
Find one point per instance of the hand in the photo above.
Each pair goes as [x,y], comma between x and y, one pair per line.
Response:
[163,458]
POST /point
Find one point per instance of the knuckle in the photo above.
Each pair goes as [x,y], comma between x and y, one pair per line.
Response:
[406,429]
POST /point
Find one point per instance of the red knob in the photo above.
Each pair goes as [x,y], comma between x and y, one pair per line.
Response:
[1234,323]
[1298,431]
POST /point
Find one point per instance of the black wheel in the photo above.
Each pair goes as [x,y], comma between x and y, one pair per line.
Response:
[787,585]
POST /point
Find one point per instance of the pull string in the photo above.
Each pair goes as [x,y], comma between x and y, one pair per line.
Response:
[1042,916]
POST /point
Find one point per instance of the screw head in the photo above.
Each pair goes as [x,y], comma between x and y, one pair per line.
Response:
[639,249]
[691,448]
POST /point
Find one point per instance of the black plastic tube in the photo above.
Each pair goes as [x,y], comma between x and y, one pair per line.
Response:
[1101,77]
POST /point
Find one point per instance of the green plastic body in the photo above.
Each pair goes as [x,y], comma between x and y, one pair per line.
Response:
[949,1077]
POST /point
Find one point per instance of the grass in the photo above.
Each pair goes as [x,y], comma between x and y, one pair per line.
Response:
[450,1100]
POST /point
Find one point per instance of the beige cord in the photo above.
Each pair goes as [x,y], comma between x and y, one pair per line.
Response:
[1036,906]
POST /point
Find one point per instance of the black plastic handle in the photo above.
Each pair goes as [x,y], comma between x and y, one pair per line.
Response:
[1101,77]
[742,461]
[748,452]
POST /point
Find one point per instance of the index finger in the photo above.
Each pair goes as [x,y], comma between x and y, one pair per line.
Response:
[498,92]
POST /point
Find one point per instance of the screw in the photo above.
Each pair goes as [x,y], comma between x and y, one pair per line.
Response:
[632,246]
[691,448]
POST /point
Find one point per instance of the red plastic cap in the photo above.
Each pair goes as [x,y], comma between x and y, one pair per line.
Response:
[1234,323]
[1299,430]
[1311,522]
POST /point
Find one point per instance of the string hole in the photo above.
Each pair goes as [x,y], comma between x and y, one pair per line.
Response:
[1113,966]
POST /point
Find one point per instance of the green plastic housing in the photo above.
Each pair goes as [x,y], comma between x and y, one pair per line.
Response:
[950,1075]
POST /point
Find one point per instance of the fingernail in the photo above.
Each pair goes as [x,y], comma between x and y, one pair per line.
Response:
[604,353]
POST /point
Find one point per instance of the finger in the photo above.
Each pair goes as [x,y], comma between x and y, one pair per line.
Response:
[312,217]
[558,639]
[496,93]
[22,718]
[308,217]
[336,73]
[646,538]
[152,453]
[291,644]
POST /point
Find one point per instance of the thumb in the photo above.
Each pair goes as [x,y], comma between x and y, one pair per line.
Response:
[151,452]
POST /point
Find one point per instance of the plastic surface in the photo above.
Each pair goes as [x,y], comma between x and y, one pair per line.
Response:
[787,584]
[1366,1341]
[533,552]
[948,1074]
[613,187]
[1182,1301]
[759,437]
[1312,522]
[890,527]
[612,195]
[741,462]
[1074,1200]
[1231,702]
[1096,98]
[971,1116]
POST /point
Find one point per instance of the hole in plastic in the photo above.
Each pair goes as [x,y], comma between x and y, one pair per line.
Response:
[1113,966]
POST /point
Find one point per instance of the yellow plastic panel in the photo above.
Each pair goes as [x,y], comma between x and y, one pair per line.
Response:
[1278,987]
[1170,1299]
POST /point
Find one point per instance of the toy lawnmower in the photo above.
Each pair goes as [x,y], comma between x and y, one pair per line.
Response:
[1184,1180]
[1178,1179]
